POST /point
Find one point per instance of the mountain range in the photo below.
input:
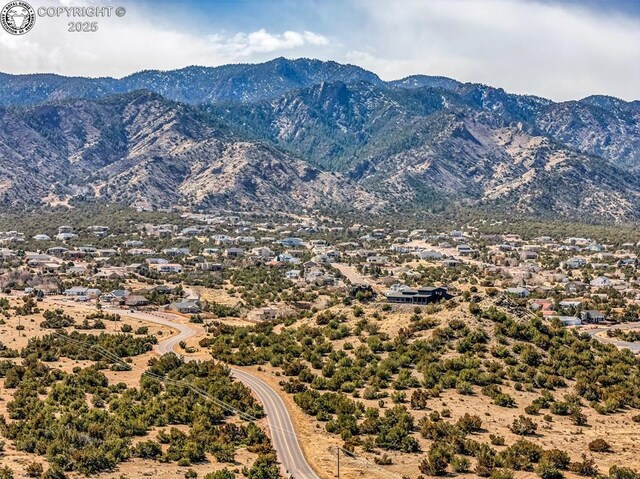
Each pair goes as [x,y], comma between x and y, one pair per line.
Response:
[293,134]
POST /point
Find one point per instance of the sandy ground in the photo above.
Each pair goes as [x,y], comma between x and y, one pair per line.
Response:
[320,447]
[134,468]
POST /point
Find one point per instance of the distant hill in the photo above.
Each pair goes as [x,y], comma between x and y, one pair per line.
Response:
[244,82]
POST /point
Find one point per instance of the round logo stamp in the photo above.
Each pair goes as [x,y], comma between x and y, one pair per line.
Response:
[17,17]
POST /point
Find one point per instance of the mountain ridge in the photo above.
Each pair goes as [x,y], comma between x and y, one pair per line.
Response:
[303,133]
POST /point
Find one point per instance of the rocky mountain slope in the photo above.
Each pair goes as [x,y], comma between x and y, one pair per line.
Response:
[470,142]
[290,133]
[146,151]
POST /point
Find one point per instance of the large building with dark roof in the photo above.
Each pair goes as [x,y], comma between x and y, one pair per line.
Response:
[423,295]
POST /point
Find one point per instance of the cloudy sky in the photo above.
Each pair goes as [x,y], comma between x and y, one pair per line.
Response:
[556,49]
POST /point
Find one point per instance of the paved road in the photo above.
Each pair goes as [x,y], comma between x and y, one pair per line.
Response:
[185,331]
[285,441]
[594,333]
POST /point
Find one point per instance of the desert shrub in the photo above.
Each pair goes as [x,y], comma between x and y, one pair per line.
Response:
[34,469]
[520,456]
[460,464]
[523,426]
[556,458]
[620,472]
[504,400]
[501,474]
[599,445]
[585,467]
[548,471]
[469,423]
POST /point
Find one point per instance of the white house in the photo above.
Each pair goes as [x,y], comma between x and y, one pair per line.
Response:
[600,282]
[167,268]
[519,292]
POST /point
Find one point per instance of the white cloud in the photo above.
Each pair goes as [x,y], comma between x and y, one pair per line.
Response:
[135,42]
[262,41]
[556,50]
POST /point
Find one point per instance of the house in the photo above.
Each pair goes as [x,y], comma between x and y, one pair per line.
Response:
[221,239]
[93,293]
[79,292]
[592,316]
[133,244]
[570,304]
[99,231]
[140,251]
[207,266]
[245,239]
[623,263]
[160,231]
[57,251]
[575,287]
[575,262]
[234,252]
[115,296]
[378,259]
[186,306]
[313,273]
[190,231]
[541,305]
[519,292]
[66,236]
[528,254]
[424,295]
[156,261]
[287,258]
[108,298]
[167,268]
[292,274]
[135,300]
[175,251]
[77,270]
[569,320]
[262,252]
[450,262]
[41,238]
[601,282]
[429,255]
[76,291]
[464,249]
[290,242]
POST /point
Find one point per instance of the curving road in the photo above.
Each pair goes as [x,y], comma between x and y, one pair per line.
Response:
[594,333]
[285,441]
